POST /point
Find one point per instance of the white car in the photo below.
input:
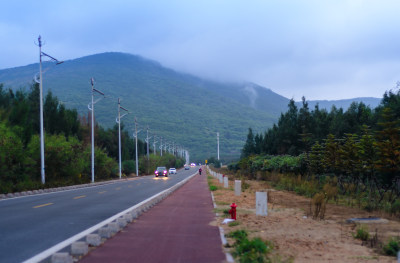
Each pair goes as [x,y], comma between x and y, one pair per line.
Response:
[172,171]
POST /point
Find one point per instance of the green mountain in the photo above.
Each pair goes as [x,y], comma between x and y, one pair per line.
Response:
[179,107]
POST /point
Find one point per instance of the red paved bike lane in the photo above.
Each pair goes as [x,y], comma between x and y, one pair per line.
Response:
[175,230]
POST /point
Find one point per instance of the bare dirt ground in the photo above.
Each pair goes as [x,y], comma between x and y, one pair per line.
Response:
[296,235]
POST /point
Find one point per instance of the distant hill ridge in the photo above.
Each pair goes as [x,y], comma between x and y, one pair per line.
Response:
[180,107]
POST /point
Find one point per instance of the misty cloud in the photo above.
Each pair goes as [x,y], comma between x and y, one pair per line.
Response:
[319,49]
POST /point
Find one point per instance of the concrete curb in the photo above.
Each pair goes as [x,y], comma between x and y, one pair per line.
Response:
[105,229]
[228,255]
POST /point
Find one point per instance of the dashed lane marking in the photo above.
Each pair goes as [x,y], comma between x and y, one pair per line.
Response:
[38,206]
[78,197]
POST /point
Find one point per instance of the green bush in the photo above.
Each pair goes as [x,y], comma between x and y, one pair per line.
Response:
[238,235]
[213,188]
[362,233]
[249,251]
[392,247]
[129,166]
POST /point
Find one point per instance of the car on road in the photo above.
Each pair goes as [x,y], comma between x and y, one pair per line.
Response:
[187,167]
[172,171]
[161,170]
[193,164]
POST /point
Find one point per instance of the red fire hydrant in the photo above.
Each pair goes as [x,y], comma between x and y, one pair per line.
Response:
[233,211]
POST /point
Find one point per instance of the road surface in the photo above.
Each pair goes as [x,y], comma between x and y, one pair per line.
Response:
[32,224]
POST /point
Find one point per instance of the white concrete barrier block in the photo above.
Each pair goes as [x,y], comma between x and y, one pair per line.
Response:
[226,182]
[134,214]
[105,232]
[93,240]
[79,248]
[261,204]
[128,217]
[121,222]
[238,187]
[114,227]
[61,258]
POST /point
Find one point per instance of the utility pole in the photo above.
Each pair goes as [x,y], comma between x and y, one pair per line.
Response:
[161,146]
[92,110]
[154,145]
[40,81]
[218,145]
[119,132]
[136,151]
[147,141]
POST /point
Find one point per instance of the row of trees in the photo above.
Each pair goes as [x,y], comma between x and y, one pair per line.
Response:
[359,147]
[298,129]
[67,144]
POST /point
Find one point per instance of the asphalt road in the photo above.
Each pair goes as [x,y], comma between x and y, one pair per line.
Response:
[30,225]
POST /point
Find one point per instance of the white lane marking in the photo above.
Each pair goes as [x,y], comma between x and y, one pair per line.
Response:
[47,253]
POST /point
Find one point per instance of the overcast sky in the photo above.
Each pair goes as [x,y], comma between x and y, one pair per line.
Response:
[322,49]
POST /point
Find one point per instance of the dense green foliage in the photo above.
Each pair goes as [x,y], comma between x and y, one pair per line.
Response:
[67,144]
[181,108]
[358,148]
[392,247]
[254,250]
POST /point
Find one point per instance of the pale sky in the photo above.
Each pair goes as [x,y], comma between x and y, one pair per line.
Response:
[320,49]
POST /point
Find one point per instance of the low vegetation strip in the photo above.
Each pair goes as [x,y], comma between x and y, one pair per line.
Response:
[297,236]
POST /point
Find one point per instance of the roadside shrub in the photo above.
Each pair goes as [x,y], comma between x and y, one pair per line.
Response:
[248,251]
[128,166]
[362,233]
[394,208]
[254,250]
[213,188]
[318,203]
[238,235]
[234,223]
[392,247]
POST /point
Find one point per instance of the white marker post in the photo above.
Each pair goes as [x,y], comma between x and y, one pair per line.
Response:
[261,204]
[238,187]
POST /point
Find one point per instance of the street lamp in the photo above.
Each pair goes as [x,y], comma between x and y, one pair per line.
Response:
[40,81]
[118,120]
[91,108]
[154,144]
[147,141]
[218,145]
[136,149]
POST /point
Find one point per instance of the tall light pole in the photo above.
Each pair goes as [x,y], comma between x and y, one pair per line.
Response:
[136,149]
[119,132]
[218,145]
[92,110]
[154,145]
[40,81]
[148,141]
[161,145]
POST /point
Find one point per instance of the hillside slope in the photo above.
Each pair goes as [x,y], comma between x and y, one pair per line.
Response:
[179,107]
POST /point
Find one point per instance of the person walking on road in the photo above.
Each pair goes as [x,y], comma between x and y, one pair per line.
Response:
[200,171]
